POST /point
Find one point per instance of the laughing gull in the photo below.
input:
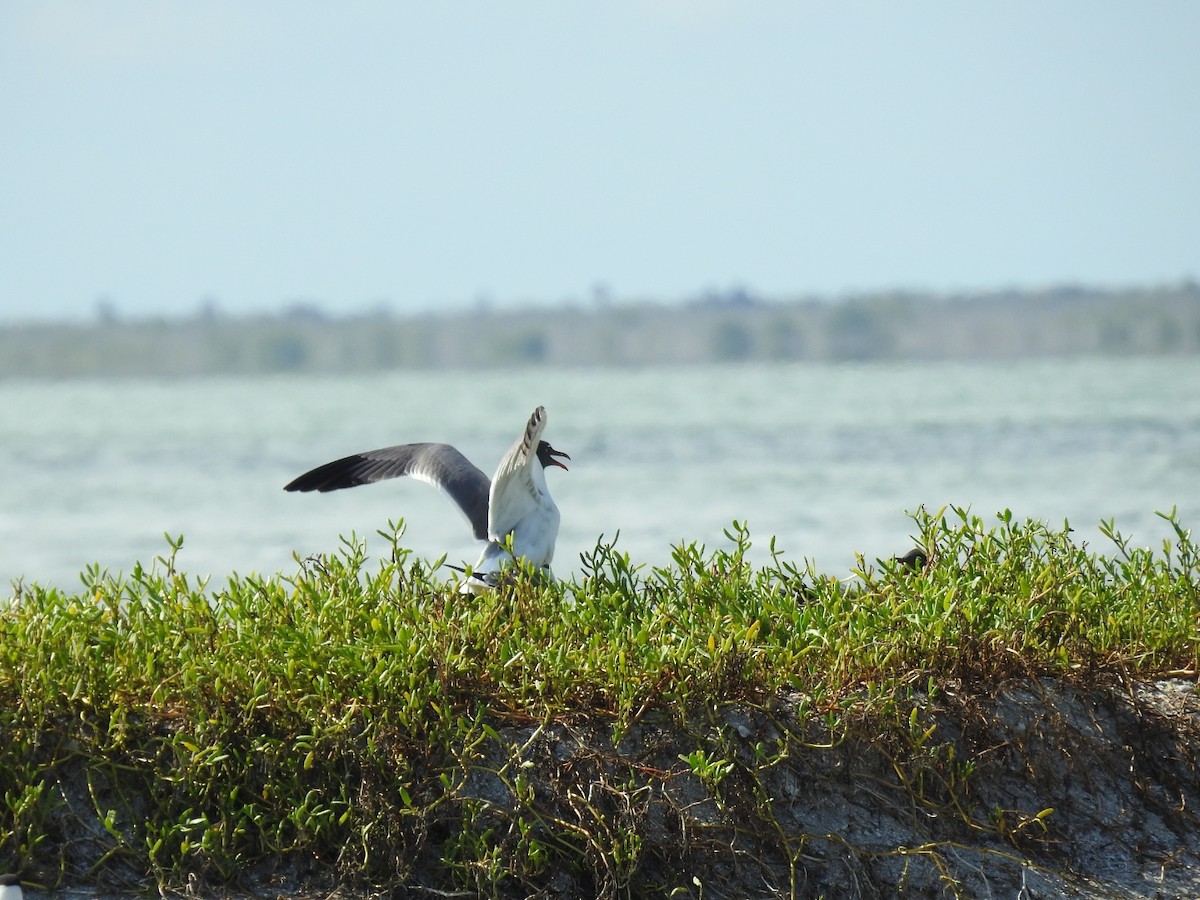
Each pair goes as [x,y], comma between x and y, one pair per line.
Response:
[514,505]
[914,559]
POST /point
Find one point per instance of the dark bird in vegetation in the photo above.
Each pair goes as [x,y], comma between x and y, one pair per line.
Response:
[914,559]
[512,509]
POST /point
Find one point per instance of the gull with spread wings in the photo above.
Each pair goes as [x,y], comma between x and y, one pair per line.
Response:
[514,508]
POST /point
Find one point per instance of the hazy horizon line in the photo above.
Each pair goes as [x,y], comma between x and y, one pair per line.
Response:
[107,310]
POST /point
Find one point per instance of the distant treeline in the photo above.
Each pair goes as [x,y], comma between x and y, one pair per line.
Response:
[1058,322]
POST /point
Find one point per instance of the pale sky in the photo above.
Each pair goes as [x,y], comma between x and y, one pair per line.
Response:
[159,152]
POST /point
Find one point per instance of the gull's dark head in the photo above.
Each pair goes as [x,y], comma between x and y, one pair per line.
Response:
[546,456]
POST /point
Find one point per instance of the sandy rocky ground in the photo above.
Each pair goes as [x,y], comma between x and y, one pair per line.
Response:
[1118,766]
[874,816]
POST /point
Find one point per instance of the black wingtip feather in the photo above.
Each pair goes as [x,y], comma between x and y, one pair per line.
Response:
[333,476]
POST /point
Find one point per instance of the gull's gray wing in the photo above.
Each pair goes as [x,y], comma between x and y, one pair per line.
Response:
[437,464]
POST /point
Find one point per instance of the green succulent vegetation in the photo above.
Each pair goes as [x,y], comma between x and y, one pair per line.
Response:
[359,721]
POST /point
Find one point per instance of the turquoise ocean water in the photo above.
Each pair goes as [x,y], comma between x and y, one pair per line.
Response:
[827,459]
